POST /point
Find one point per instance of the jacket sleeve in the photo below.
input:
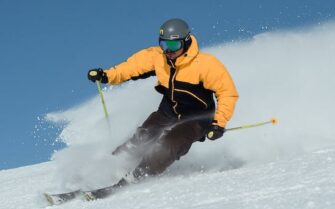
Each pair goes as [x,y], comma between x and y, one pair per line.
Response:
[139,65]
[218,79]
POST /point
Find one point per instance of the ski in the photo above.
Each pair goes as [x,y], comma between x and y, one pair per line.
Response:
[57,199]
[104,192]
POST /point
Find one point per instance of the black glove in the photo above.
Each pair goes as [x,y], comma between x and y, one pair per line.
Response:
[215,132]
[97,75]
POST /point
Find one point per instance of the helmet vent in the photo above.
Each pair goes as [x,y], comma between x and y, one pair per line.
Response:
[174,36]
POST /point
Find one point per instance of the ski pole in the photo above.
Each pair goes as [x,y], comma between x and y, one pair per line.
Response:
[102,99]
[274,121]
[104,107]
[94,73]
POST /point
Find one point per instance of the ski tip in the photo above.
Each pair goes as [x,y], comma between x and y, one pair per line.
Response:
[49,199]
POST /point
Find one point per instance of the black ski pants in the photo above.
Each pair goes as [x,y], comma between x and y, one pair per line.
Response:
[161,140]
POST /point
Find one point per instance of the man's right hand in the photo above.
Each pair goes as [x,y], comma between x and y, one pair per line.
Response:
[97,75]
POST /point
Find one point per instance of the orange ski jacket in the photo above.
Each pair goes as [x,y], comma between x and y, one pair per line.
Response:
[187,84]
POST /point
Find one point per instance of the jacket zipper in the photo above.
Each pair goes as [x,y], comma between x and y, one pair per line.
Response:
[172,79]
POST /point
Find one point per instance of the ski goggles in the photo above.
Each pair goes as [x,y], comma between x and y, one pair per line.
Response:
[170,45]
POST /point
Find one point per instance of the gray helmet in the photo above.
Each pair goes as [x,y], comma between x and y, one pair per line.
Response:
[174,29]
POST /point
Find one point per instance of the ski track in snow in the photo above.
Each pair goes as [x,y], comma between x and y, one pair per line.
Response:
[287,74]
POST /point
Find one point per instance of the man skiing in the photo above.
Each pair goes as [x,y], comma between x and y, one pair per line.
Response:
[188,79]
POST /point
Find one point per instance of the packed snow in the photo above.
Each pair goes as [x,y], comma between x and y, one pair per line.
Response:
[287,74]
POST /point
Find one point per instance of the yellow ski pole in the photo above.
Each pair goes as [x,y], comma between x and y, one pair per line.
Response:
[104,107]
[94,73]
[102,99]
[273,121]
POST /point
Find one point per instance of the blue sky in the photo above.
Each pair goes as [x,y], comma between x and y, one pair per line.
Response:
[46,48]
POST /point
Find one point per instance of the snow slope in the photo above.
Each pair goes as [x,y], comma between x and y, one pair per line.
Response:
[306,181]
[287,74]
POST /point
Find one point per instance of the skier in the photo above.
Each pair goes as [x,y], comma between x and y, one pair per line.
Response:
[188,80]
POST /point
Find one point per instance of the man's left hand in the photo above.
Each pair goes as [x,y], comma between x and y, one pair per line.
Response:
[215,132]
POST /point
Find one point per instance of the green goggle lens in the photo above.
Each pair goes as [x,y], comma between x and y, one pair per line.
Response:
[170,45]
